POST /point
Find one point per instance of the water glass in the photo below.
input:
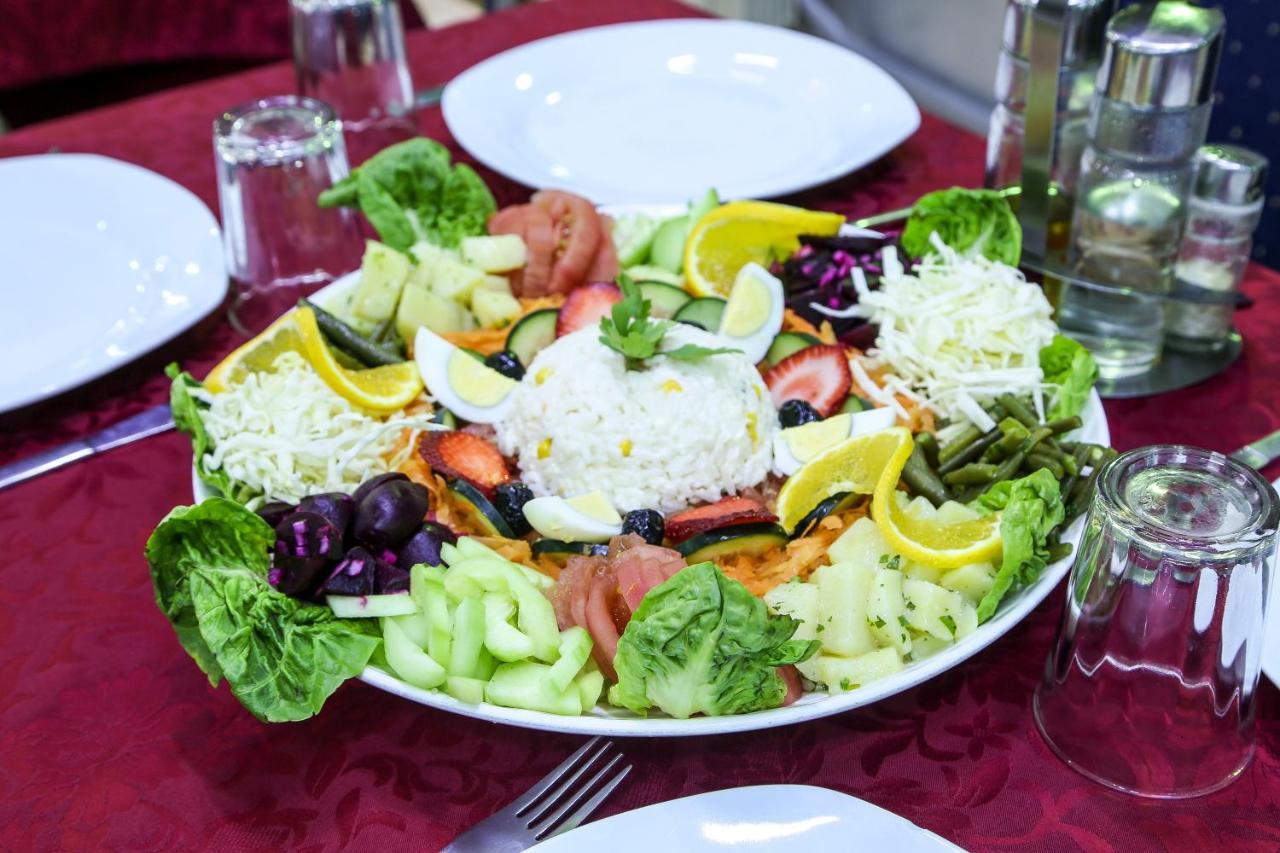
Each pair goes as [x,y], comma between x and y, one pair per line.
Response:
[1150,687]
[274,157]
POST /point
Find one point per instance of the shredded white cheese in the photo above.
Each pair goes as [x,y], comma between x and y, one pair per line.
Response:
[958,329]
[287,433]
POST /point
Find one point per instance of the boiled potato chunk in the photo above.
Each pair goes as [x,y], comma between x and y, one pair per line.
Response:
[972,581]
[932,609]
[954,512]
[921,572]
[420,307]
[494,310]
[499,253]
[848,673]
[886,611]
[383,272]
[496,283]
[454,280]
[843,590]
[861,544]
[926,645]
[800,602]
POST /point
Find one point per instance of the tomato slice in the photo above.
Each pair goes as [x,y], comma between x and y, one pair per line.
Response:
[578,232]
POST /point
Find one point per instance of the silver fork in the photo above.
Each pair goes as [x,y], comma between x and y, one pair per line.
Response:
[557,803]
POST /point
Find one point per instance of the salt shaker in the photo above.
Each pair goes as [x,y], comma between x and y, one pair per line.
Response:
[1150,113]
[1224,209]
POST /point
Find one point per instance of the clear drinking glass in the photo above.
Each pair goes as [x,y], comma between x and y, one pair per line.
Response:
[1151,684]
[274,157]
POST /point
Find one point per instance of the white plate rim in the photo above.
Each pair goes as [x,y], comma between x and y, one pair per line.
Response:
[203,303]
[810,707]
[463,127]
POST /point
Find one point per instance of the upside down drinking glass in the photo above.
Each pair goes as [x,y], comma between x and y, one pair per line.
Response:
[1150,686]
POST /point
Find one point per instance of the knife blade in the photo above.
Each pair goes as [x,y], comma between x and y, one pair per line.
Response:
[153,421]
[1260,453]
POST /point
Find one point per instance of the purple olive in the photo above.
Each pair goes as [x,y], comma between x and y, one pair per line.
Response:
[297,576]
[308,535]
[424,545]
[369,485]
[388,514]
[335,506]
[390,579]
[355,575]
[274,512]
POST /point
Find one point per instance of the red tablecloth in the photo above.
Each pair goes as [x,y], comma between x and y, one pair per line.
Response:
[111,738]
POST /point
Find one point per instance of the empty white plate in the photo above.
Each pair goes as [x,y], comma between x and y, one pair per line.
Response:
[776,818]
[103,262]
[662,110]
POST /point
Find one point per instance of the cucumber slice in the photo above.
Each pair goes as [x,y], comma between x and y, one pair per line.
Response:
[589,684]
[632,237]
[667,250]
[426,587]
[408,661]
[855,404]
[524,685]
[835,503]
[648,272]
[664,299]
[575,650]
[445,417]
[479,511]
[738,539]
[504,640]
[362,606]
[703,205]
[469,690]
[532,333]
[468,638]
[789,343]
[704,312]
[556,549]
[536,617]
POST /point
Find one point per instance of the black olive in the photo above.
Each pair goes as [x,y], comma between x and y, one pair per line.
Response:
[794,413]
[507,364]
[648,524]
[509,500]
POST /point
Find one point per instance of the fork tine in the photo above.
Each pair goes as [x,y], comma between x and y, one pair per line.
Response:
[585,811]
[566,788]
[540,787]
[575,801]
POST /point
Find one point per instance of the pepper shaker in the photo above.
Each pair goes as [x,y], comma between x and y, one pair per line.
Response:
[1224,209]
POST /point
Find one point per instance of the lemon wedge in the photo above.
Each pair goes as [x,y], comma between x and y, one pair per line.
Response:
[257,355]
[925,537]
[858,465]
[740,232]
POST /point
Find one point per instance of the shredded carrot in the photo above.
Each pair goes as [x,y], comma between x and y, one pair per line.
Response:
[798,558]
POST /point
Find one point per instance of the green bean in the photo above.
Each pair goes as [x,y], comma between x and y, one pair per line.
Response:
[350,341]
[967,436]
[384,334]
[970,453]
[1039,460]
[973,474]
[1065,424]
[922,479]
[1009,467]
[928,442]
[1017,409]
[1059,551]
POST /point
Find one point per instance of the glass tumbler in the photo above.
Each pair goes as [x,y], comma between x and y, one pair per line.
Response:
[274,157]
[1151,683]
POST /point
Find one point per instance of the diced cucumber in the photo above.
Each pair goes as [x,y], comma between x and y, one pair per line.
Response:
[415,627]
[861,544]
[886,611]
[667,250]
[532,333]
[409,662]
[499,253]
[648,272]
[524,685]
[932,609]
[575,650]
[589,684]
[469,690]
[855,404]
[364,606]
[426,586]
[842,607]
[420,308]
[468,639]
[703,204]
[383,272]
[973,581]
[850,673]
[504,640]
[632,237]
[494,310]
[789,343]
[664,299]
[705,312]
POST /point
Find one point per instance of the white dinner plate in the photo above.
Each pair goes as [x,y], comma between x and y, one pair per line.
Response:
[103,262]
[773,818]
[616,722]
[661,110]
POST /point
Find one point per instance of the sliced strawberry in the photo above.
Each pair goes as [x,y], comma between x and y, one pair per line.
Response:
[725,512]
[818,375]
[585,306]
[463,456]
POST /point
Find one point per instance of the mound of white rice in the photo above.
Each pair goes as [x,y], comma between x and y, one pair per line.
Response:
[666,436]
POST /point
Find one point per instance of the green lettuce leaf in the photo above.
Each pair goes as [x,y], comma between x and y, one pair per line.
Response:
[1030,509]
[969,221]
[186,411]
[281,657]
[1071,369]
[410,192]
[701,643]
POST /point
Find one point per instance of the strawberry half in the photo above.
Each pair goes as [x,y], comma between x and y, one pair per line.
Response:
[725,512]
[463,456]
[585,306]
[818,375]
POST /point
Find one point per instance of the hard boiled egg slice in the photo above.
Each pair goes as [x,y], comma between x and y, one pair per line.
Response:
[753,315]
[459,381]
[586,518]
[794,446]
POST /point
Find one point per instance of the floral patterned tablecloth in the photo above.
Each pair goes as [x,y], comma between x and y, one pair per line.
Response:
[110,738]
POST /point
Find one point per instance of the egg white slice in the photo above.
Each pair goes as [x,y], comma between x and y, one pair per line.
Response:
[753,315]
[824,434]
[484,395]
[588,518]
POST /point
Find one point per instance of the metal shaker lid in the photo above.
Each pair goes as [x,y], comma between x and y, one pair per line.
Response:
[1162,55]
[1084,25]
[1230,174]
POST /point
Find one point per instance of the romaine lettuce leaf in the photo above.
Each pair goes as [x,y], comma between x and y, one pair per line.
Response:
[410,192]
[1031,508]
[969,221]
[186,417]
[701,643]
[281,657]
[1071,369]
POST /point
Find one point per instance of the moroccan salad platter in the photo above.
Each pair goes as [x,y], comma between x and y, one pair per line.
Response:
[606,471]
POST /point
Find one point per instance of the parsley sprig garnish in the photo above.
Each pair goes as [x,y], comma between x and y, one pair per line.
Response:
[630,330]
